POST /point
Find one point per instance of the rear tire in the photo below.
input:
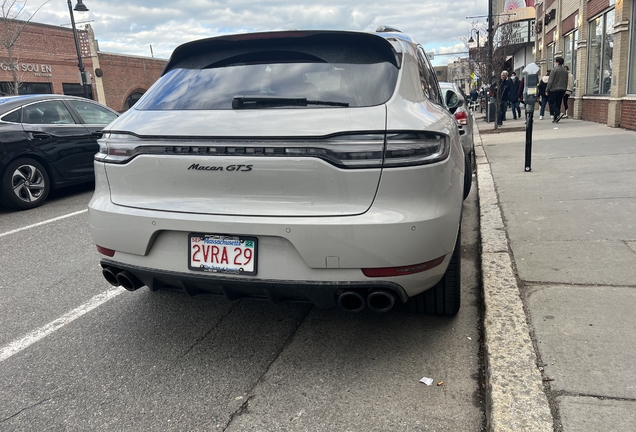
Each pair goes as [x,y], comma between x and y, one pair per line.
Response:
[25,184]
[468,173]
[444,298]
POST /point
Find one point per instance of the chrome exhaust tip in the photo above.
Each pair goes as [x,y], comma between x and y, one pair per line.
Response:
[110,274]
[380,301]
[128,281]
[351,301]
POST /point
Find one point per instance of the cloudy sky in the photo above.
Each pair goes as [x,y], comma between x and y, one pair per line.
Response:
[131,27]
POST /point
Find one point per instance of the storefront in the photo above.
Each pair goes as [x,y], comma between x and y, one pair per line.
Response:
[44,60]
[597,42]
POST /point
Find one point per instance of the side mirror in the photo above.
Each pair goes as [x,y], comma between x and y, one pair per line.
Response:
[452,100]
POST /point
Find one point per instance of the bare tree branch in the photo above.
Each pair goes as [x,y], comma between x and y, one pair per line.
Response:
[11,28]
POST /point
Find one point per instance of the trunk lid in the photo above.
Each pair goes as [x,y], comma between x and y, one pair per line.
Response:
[270,162]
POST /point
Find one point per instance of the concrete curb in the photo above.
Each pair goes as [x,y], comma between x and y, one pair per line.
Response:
[515,400]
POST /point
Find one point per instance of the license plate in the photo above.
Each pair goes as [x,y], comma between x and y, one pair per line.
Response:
[221,253]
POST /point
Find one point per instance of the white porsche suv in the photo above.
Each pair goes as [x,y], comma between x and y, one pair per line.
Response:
[311,166]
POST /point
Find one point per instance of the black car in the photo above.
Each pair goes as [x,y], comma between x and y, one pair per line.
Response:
[46,142]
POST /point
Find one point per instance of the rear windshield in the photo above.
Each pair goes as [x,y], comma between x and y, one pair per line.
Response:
[342,74]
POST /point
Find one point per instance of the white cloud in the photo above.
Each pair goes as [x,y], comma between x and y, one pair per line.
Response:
[130,28]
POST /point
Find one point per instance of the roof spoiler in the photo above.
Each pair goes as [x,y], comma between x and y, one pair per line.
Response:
[387,29]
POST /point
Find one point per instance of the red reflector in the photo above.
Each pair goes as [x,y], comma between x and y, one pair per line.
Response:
[405,270]
[461,117]
[105,251]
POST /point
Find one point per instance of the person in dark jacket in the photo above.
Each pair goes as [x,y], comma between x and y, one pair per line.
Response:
[557,85]
[503,96]
[514,96]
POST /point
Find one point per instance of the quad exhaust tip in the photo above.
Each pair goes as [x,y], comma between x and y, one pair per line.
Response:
[351,301]
[380,301]
[110,274]
[123,278]
[377,301]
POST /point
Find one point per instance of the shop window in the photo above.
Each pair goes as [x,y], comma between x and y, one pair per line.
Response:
[132,99]
[6,88]
[76,90]
[600,51]
[569,51]
[550,56]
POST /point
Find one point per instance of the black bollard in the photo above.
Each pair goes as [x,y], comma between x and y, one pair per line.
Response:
[530,83]
[529,122]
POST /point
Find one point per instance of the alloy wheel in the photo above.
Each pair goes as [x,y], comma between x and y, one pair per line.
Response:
[28,183]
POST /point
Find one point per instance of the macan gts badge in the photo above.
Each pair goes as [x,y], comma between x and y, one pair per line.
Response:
[304,166]
[198,167]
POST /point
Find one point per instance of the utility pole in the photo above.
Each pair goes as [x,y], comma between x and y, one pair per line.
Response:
[490,43]
[80,64]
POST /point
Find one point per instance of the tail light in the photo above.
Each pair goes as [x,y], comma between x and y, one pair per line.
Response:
[105,251]
[404,270]
[461,116]
[372,150]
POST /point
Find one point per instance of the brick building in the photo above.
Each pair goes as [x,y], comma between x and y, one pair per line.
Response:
[597,39]
[44,58]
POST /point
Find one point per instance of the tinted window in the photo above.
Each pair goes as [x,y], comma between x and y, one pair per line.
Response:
[93,114]
[429,81]
[48,112]
[274,73]
[13,117]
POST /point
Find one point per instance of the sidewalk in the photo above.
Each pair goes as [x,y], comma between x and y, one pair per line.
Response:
[570,245]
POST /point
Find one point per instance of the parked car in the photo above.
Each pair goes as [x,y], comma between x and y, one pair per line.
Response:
[463,115]
[312,166]
[47,142]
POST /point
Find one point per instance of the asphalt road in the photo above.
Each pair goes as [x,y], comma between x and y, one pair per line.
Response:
[164,361]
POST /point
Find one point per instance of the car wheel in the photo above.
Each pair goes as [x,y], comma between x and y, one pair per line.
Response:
[444,298]
[468,174]
[25,184]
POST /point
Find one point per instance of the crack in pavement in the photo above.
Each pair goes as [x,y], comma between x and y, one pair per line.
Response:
[243,408]
[24,409]
[214,327]
[562,393]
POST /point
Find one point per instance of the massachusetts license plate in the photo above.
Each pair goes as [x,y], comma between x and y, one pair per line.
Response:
[221,253]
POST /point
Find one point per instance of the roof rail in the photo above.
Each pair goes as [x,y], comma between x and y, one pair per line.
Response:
[385,29]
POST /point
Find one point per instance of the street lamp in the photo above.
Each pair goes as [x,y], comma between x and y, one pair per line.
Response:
[471,40]
[80,7]
[478,50]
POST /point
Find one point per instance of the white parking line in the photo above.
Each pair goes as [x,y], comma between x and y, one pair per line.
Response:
[20,344]
[43,223]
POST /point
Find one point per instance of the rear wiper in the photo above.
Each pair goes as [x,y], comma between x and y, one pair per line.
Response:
[258,101]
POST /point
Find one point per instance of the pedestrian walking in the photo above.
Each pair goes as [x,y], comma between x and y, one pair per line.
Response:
[543,85]
[557,85]
[503,96]
[568,91]
[514,96]
[473,98]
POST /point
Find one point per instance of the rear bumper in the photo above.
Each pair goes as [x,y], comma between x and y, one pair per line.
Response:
[322,294]
[313,256]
